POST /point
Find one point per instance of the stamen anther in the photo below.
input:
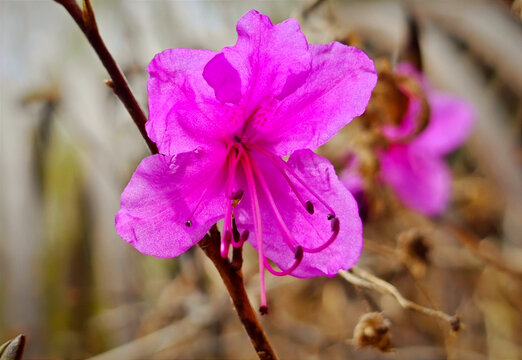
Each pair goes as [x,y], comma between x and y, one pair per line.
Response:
[188,223]
[335,225]
[309,207]
[237,139]
[299,253]
[330,216]
[244,235]
[237,195]
[263,310]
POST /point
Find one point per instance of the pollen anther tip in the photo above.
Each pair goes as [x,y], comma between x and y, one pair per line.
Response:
[299,253]
[263,310]
[335,225]
[188,223]
[310,207]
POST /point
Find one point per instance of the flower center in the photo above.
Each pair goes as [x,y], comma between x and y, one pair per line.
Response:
[240,153]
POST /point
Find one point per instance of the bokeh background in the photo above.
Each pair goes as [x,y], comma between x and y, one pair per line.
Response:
[68,148]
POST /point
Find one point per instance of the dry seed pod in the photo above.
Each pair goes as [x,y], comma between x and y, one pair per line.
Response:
[373,330]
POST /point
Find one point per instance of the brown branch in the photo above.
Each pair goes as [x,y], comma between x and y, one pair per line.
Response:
[230,272]
[360,277]
[490,257]
[233,279]
[87,23]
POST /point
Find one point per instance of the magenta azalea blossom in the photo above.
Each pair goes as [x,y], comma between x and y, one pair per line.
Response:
[222,123]
[417,171]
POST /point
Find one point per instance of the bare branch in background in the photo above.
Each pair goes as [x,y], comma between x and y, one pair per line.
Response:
[360,277]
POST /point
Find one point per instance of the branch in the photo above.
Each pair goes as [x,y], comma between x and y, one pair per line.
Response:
[229,272]
[490,257]
[233,279]
[87,23]
[360,277]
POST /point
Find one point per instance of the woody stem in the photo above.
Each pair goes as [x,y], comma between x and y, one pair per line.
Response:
[87,23]
[233,279]
[229,272]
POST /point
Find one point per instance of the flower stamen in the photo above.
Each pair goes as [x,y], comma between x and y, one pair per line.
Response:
[289,240]
[298,258]
[233,196]
[263,309]
[283,168]
[189,222]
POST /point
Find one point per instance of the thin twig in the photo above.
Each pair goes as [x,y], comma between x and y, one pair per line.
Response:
[309,8]
[230,273]
[472,243]
[360,277]
[87,23]
[233,279]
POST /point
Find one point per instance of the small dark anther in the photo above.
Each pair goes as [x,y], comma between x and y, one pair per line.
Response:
[335,225]
[299,253]
[188,223]
[331,216]
[237,195]
[237,139]
[263,310]
[310,207]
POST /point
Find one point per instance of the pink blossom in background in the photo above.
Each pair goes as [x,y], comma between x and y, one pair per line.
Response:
[222,123]
[417,171]
[354,182]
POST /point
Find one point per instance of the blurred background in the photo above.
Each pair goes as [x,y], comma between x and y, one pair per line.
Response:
[68,148]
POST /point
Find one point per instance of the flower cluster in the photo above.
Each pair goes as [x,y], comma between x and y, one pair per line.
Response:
[223,123]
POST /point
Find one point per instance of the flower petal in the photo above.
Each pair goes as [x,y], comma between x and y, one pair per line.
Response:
[272,61]
[307,230]
[224,79]
[451,122]
[422,181]
[161,197]
[409,122]
[337,89]
[183,111]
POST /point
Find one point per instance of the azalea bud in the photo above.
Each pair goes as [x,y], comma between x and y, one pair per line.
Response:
[373,330]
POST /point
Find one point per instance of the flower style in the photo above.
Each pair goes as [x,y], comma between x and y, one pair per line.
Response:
[222,123]
[416,170]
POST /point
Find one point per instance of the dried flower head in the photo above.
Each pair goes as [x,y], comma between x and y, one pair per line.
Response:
[373,330]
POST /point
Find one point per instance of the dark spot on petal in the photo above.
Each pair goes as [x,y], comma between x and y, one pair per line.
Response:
[188,223]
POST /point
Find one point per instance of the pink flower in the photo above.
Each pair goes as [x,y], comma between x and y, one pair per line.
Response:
[354,182]
[222,123]
[416,170]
